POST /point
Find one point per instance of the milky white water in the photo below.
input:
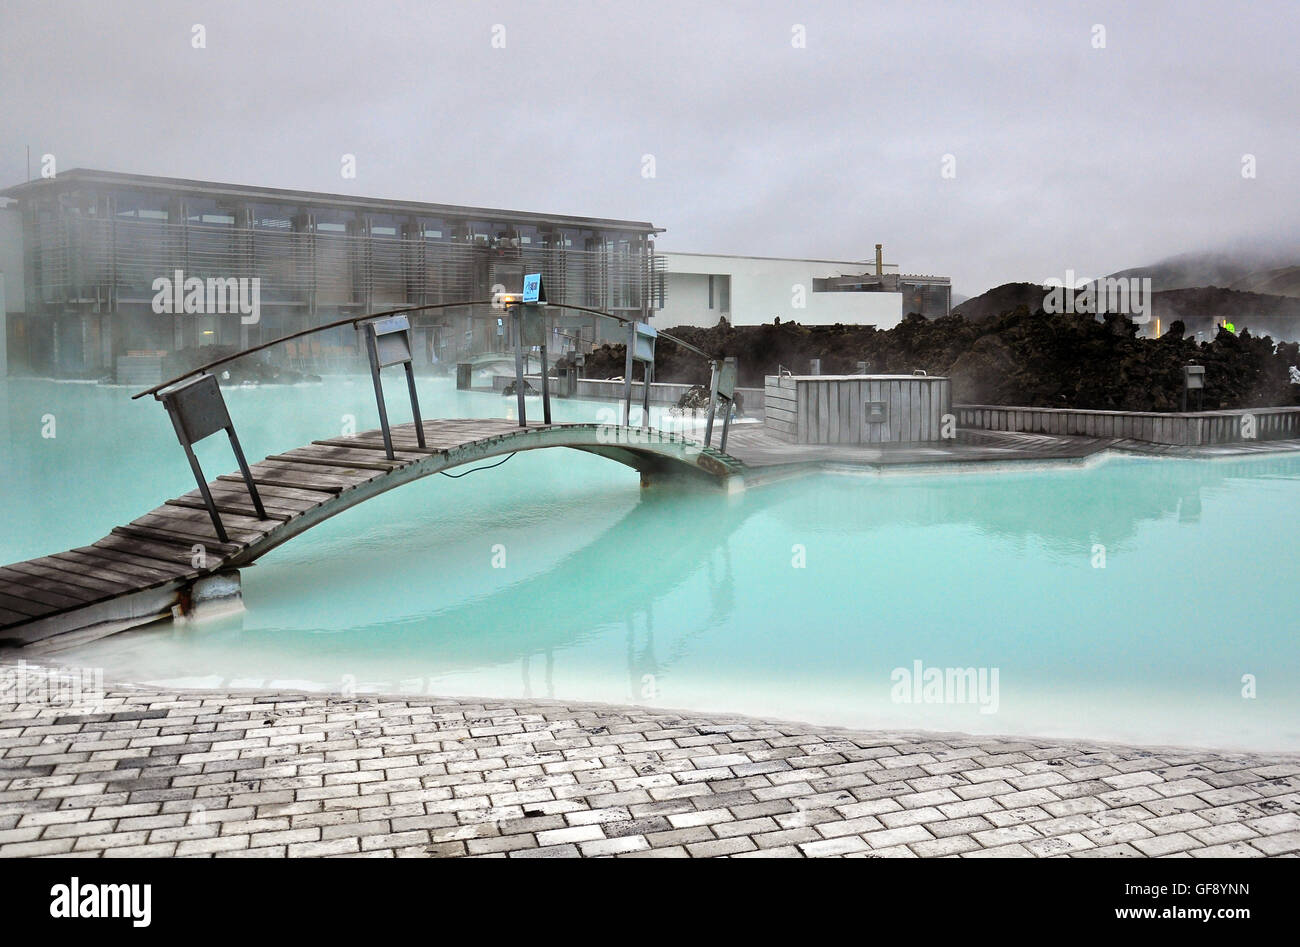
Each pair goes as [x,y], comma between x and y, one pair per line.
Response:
[802,600]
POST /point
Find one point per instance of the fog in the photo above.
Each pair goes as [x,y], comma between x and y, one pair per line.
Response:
[778,129]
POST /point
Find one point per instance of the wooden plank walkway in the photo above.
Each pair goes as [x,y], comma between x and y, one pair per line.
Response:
[758,448]
[176,543]
[165,550]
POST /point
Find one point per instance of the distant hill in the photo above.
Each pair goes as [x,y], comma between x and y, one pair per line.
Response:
[1190,270]
[1282,281]
[1269,271]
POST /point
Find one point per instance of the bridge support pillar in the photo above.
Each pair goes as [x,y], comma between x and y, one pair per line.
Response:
[211,596]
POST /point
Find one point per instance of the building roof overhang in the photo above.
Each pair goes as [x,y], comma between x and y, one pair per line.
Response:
[84,176]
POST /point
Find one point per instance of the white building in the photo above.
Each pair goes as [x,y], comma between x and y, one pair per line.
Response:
[701,288]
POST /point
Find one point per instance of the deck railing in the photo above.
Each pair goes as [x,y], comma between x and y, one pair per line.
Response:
[1183,429]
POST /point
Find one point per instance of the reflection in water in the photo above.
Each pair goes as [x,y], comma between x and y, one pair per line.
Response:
[1061,507]
[548,680]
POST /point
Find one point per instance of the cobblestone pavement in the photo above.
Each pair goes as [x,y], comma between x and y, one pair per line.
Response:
[242,774]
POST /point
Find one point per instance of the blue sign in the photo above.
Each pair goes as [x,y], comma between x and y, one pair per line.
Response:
[532,287]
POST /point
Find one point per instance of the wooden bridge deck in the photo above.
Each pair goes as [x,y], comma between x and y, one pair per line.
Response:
[144,567]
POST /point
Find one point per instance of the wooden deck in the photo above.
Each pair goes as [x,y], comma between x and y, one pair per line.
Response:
[762,452]
[145,569]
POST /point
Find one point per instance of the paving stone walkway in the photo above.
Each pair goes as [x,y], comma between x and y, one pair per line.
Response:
[256,774]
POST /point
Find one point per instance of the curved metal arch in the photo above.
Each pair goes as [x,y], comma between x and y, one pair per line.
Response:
[353,320]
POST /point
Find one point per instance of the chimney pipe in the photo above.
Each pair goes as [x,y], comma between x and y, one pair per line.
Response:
[880,260]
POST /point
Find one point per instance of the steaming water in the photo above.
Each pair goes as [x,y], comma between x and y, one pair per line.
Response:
[687,599]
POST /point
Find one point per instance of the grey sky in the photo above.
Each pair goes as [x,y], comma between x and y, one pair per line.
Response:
[1066,156]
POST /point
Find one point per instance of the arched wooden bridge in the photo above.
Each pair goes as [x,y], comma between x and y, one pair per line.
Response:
[187,552]
[171,557]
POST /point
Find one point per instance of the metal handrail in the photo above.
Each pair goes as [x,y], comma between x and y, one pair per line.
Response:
[625,320]
[353,320]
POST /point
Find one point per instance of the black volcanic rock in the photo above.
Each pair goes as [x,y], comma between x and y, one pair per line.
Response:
[1025,356]
[985,373]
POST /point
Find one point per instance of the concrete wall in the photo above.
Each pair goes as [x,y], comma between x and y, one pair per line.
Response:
[763,288]
[1192,429]
[687,298]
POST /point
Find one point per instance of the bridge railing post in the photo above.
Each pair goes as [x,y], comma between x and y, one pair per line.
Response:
[546,388]
[373,357]
[722,385]
[197,410]
[627,374]
[538,330]
[649,369]
[726,426]
[727,389]
[388,342]
[715,373]
[640,348]
[531,323]
[517,324]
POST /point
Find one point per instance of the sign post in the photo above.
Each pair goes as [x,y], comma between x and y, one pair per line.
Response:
[531,322]
[388,342]
[197,410]
[727,389]
[517,324]
[722,384]
[640,348]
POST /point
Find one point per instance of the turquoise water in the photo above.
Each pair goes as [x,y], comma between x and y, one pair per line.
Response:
[799,600]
